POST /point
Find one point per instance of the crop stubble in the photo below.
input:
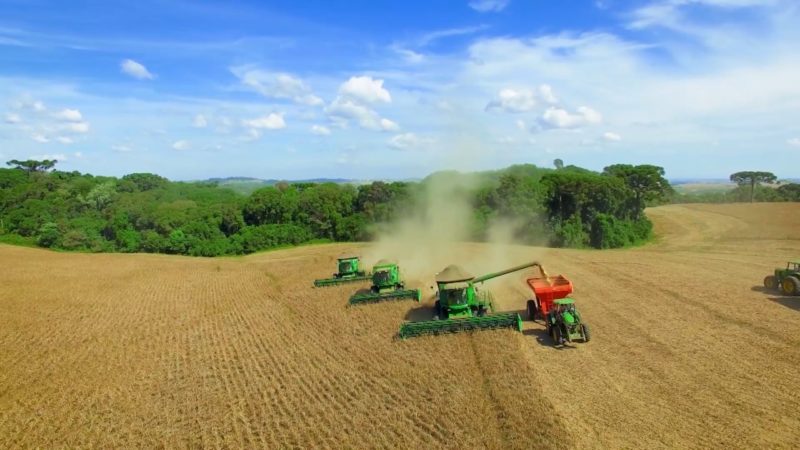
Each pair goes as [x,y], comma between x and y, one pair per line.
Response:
[150,350]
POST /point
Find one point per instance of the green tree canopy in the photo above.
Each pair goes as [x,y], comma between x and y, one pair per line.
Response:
[752,179]
[647,182]
[32,165]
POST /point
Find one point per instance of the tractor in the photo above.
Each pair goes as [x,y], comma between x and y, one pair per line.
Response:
[564,322]
[786,280]
[461,306]
[386,285]
[348,272]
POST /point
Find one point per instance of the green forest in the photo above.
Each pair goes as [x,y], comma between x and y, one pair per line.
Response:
[141,212]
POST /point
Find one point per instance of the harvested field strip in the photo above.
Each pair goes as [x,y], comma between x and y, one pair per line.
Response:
[110,350]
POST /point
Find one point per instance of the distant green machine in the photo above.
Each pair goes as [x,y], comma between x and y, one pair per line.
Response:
[348,272]
[386,285]
[786,280]
[462,307]
[564,322]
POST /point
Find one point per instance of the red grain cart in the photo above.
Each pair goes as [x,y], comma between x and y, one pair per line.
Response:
[545,291]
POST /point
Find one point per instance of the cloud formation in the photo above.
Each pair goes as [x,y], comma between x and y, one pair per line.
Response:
[488,5]
[561,118]
[136,70]
[279,85]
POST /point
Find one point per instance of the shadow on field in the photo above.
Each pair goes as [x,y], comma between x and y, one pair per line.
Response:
[789,301]
[544,339]
[420,313]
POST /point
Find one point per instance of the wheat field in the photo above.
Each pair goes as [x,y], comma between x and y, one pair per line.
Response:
[112,350]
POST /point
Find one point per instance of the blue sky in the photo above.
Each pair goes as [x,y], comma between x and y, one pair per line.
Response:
[393,90]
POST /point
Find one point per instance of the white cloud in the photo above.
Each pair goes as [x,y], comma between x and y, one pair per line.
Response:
[272,121]
[136,70]
[488,5]
[65,140]
[521,125]
[38,106]
[410,56]
[613,137]
[181,145]
[408,141]
[121,148]
[388,125]
[277,85]
[199,121]
[513,101]
[69,115]
[40,138]
[794,142]
[12,118]
[342,110]
[78,155]
[320,130]
[77,127]
[365,89]
[547,94]
[561,118]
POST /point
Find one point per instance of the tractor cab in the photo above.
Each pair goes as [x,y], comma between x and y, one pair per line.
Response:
[347,264]
[793,266]
[565,308]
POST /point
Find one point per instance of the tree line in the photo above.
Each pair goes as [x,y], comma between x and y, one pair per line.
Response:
[141,212]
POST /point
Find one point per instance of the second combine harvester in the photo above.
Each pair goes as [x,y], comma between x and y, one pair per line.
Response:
[460,306]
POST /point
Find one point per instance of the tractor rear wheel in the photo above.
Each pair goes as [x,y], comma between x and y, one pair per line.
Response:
[532,310]
[791,286]
[585,332]
[770,282]
[557,334]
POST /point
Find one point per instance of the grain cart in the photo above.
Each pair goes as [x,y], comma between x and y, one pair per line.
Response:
[348,272]
[564,322]
[546,289]
[386,285]
[462,307]
[786,280]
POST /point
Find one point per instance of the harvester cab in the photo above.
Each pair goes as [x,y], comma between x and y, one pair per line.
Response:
[460,306]
[386,285]
[786,280]
[564,322]
[349,272]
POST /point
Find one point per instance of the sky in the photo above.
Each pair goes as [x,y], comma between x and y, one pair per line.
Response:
[194,89]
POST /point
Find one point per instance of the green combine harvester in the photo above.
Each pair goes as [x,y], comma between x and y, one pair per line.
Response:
[348,272]
[462,307]
[564,323]
[386,285]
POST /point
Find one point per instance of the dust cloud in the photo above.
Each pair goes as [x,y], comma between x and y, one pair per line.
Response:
[438,230]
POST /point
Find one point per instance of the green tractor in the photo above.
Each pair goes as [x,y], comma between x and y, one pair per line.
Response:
[348,272]
[786,280]
[564,323]
[462,307]
[386,285]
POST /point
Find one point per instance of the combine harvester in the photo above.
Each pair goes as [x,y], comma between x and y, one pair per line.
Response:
[386,285]
[348,272]
[461,307]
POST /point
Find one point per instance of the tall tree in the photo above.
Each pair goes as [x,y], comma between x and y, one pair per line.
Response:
[752,178]
[646,181]
[558,163]
[32,165]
